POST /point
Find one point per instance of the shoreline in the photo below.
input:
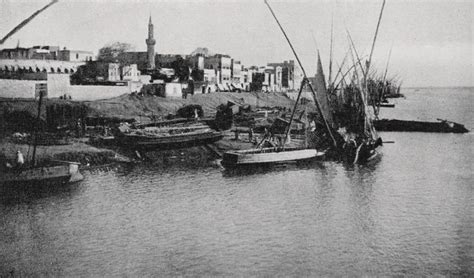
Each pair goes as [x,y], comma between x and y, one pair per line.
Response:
[141,108]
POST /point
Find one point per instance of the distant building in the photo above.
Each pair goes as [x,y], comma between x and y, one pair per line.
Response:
[288,78]
[210,76]
[48,59]
[35,52]
[222,65]
[130,73]
[236,71]
[75,55]
[196,61]
[46,53]
[97,71]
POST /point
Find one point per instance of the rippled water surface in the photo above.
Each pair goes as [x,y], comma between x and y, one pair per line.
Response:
[411,212]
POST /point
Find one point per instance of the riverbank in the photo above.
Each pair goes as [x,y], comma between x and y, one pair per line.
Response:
[146,108]
[76,151]
[143,109]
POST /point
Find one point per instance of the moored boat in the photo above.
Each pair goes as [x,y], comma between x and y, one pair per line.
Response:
[33,173]
[269,156]
[443,126]
[167,138]
[55,173]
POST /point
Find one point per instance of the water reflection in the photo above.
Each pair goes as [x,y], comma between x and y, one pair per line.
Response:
[247,170]
[23,194]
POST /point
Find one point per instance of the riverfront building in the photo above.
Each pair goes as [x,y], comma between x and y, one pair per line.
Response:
[38,58]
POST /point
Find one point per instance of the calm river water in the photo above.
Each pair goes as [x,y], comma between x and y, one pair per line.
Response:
[409,213]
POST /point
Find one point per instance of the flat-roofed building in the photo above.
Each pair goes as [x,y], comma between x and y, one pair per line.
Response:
[222,65]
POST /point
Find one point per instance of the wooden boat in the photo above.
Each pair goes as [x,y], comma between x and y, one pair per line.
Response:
[387,105]
[443,126]
[168,138]
[262,156]
[56,173]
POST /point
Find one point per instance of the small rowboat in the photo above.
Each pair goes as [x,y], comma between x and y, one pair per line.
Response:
[269,156]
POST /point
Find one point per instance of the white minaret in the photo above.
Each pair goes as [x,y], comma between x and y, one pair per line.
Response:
[150,43]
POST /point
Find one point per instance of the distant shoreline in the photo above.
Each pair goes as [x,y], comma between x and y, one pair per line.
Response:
[441,87]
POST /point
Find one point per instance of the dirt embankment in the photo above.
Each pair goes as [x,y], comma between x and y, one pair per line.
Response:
[143,108]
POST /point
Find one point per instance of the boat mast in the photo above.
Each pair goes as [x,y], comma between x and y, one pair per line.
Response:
[375,38]
[304,75]
[368,65]
[288,128]
[35,140]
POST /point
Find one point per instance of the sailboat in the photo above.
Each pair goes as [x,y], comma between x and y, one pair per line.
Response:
[351,136]
[32,173]
[349,119]
[275,154]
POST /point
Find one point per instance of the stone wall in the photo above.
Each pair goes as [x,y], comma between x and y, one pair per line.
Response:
[11,88]
[58,85]
[90,92]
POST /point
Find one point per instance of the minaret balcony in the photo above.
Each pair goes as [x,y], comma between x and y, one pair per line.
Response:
[150,41]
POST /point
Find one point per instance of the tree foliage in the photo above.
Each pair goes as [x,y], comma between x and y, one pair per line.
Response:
[112,52]
[257,81]
[197,75]
[181,68]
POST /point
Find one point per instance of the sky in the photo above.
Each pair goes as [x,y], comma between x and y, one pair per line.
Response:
[431,41]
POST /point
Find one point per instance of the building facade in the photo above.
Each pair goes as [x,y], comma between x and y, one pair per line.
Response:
[130,73]
[236,72]
[75,55]
[222,65]
[47,52]
[289,78]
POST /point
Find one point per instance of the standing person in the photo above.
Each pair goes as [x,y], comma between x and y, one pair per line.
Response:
[250,134]
[20,160]
[196,114]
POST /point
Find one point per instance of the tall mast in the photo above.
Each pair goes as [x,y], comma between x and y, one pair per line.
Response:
[331,51]
[287,131]
[26,21]
[305,76]
[375,38]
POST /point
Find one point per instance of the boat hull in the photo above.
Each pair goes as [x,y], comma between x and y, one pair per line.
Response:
[58,174]
[268,156]
[418,126]
[169,142]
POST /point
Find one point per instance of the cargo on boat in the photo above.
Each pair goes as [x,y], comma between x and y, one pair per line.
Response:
[165,138]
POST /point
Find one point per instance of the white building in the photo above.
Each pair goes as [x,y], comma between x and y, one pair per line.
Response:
[130,73]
